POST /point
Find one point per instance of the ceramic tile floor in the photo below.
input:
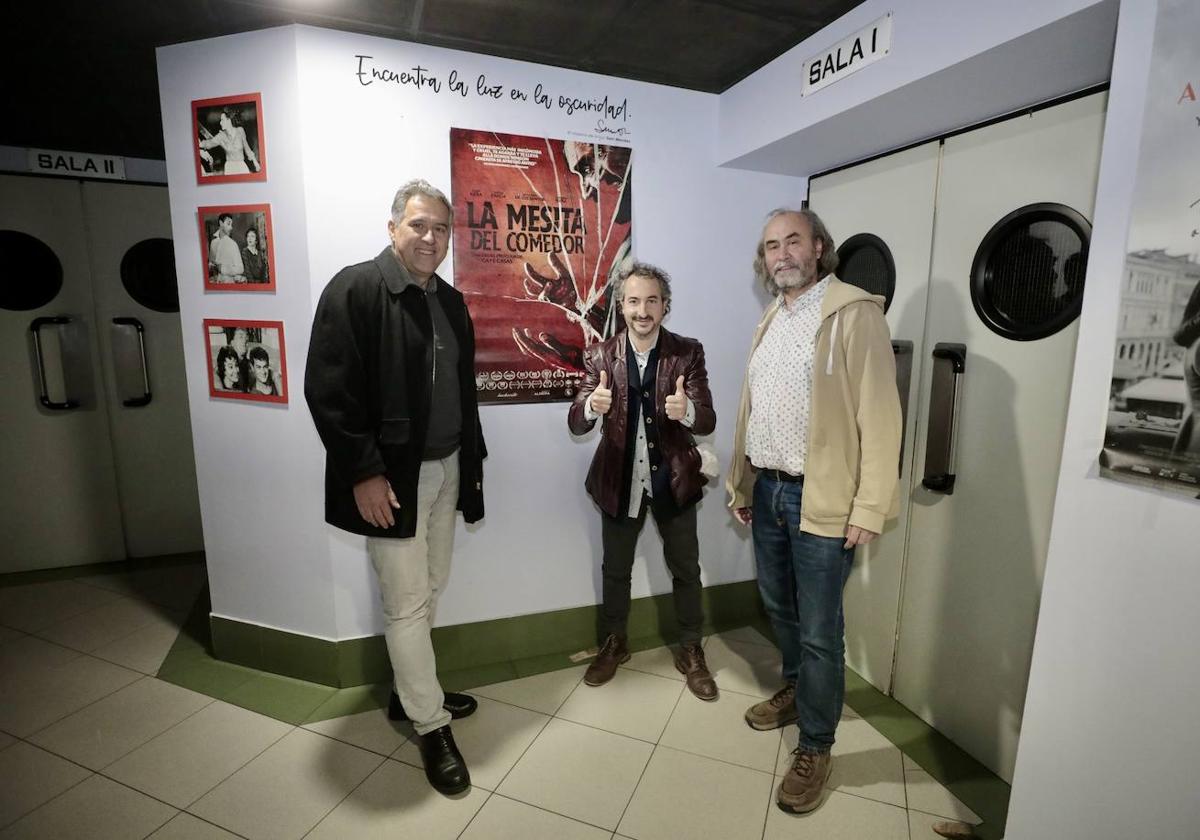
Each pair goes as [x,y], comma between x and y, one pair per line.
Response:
[92,745]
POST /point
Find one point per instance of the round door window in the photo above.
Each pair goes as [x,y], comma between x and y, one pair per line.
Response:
[33,275]
[864,260]
[1027,277]
[148,275]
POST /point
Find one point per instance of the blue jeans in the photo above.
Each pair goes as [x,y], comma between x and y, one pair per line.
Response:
[801,577]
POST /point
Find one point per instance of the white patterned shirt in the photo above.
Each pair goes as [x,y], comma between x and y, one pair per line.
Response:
[781,372]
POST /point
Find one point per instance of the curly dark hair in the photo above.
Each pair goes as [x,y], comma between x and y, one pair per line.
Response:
[641,269]
[223,355]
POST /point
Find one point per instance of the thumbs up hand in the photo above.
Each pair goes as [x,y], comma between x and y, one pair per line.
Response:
[601,398]
[676,404]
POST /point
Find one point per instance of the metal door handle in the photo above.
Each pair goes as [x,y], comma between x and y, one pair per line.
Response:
[35,327]
[144,399]
[945,401]
[903,351]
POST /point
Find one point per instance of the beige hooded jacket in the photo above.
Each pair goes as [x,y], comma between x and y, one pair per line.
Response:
[852,464]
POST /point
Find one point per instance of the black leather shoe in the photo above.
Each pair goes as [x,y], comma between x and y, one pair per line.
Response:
[444,765]
[458,705]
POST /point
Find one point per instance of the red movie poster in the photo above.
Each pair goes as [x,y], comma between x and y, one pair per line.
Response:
[541,229]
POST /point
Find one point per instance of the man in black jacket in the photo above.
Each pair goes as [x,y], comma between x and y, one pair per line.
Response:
[390,383]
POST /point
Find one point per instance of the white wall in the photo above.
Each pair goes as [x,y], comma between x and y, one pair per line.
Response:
[952,63]
[1110,745]
[337,151]
[255,463]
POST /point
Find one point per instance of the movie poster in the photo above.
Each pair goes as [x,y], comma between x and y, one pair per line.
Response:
[542,228]
[1153,432]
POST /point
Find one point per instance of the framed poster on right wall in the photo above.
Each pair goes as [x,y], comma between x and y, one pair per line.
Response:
[1152,437]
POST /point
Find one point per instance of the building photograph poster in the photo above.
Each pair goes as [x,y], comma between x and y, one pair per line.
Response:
[542,229]
[1153,431]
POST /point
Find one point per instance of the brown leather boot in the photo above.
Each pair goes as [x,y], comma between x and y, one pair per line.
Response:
[779,711]
[803,786]
[614,652]
[690,662]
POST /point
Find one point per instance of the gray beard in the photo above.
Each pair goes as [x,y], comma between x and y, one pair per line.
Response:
[794,278]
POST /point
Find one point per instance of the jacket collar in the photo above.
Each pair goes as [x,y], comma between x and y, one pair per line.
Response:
[666,342]
[395,275]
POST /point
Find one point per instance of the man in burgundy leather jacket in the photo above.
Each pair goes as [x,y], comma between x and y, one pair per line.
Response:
[651,389]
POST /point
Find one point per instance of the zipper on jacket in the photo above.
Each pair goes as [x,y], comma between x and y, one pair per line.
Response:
[433,373]
[832,340]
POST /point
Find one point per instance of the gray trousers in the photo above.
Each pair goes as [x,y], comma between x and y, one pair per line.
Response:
[412,574]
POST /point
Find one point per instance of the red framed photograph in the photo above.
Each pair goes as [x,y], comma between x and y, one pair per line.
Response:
[230,142]
[237,248]
[246,360]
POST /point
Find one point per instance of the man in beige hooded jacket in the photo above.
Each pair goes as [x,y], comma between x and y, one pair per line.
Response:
[814,473]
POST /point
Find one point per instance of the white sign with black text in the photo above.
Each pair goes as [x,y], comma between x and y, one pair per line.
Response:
[849,55]
[76,164]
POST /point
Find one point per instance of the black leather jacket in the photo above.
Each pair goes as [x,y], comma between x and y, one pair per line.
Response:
[368,383]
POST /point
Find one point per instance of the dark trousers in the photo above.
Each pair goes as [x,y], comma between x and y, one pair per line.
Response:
[681,549]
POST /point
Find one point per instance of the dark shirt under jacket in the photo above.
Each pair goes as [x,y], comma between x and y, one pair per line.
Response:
[607,479]
[445,416]
[369,386]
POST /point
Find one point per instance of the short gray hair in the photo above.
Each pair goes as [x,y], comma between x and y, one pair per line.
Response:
[641,269]
[415,187]
[827,263]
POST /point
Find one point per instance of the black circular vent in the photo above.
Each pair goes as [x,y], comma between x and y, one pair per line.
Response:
[864,260]
[33,275]
[148,275]
[1027,277]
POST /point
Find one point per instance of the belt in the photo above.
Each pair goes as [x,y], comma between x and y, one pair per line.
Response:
[780,475]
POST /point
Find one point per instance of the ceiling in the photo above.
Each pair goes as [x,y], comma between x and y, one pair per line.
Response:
[81,75]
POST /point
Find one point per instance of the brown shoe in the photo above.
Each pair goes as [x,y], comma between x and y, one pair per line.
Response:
[803,786]
[612,653]
[779,711]
[690,662]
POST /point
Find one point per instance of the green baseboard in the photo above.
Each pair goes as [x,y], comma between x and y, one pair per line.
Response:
[551,636]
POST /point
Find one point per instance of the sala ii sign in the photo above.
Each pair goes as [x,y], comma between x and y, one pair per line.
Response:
[76,164]
[849,55]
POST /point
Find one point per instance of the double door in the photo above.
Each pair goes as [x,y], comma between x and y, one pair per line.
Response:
[97,442]
[986,232]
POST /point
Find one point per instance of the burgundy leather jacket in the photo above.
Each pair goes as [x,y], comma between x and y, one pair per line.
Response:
[677,356]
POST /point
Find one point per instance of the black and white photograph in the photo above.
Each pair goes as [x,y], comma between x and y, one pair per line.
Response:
[1154,401]
[246,360]
[237,248]
[229,139]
